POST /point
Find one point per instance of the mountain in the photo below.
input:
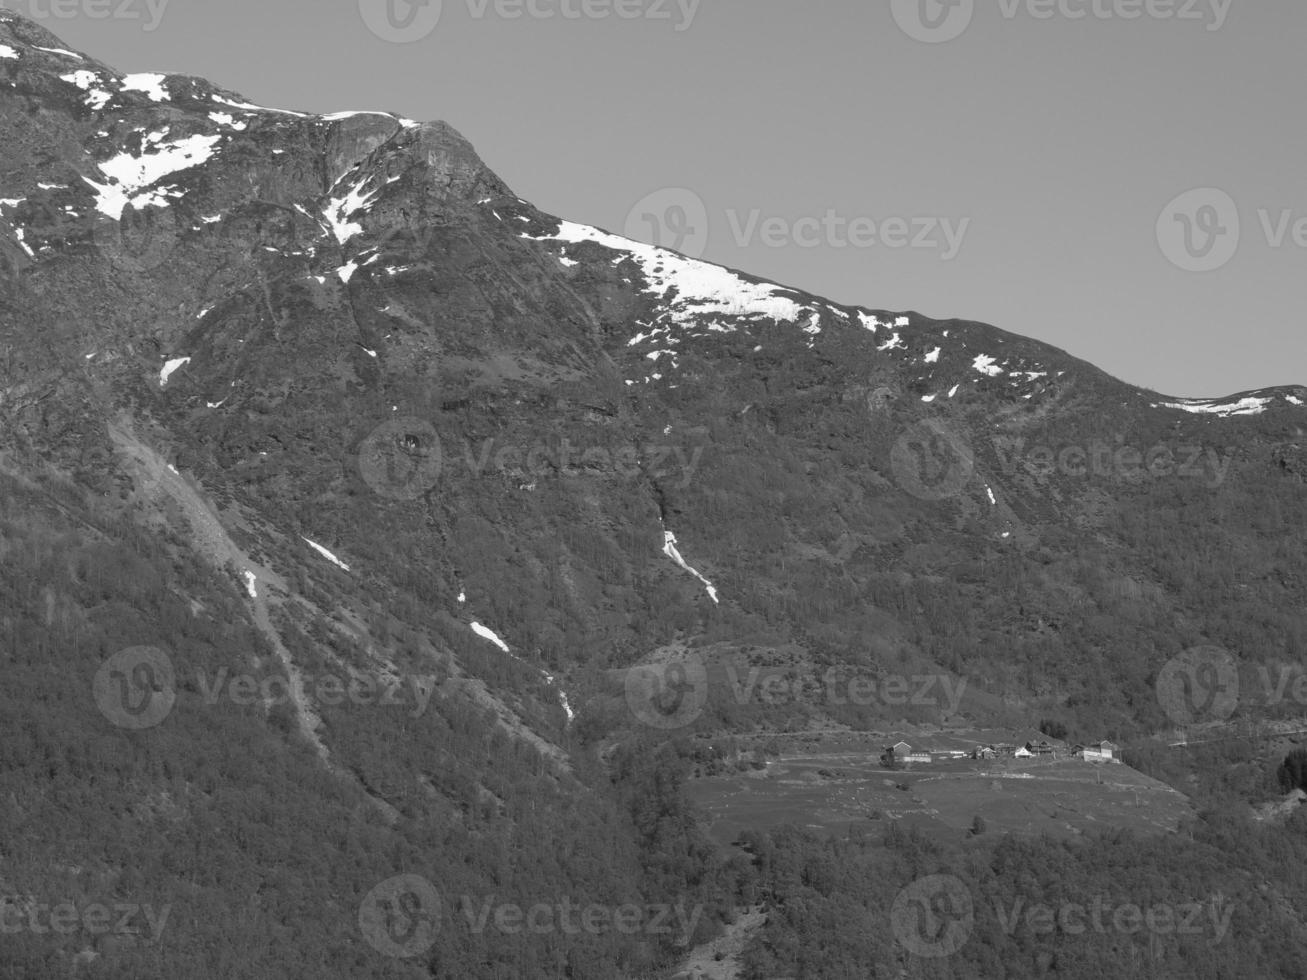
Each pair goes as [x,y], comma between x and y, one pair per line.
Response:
[360,520]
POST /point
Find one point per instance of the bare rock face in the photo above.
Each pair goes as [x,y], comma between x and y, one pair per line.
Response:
[22,31]
[455,168]
[354,138]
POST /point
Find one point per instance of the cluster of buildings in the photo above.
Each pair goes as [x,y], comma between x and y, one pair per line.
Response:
[1103,751]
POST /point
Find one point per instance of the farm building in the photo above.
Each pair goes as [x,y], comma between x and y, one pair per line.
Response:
[1097,752]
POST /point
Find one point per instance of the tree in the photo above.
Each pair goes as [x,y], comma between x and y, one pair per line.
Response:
[1053,728]
[1292,773]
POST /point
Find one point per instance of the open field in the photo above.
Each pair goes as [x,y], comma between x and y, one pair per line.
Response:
[834,787]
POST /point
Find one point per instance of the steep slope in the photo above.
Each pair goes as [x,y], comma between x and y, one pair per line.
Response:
[427,435]
[346,328]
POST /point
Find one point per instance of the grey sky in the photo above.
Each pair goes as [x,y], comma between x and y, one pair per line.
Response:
[1049,145]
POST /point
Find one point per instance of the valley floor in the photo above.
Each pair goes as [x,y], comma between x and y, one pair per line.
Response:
[835,786]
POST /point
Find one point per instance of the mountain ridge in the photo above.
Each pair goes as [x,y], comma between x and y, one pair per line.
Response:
[363,131]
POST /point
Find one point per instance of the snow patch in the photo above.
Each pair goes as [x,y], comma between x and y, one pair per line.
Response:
[169,368]
[567,706]
[129,175]
[149,82]
[250,579]
[337,116]
[70,54]
[488,634]
[669,549]
[228,120]
[933,356]
[249,107]
[699,287]
[986,365]
[7,52]
[22,242]
[326,554]
[88,81]
[1244,406]
[341,209]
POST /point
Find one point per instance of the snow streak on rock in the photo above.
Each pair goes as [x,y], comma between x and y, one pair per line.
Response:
[342,208]
[488,634]
[326,554]
[1244,406]
[669,549]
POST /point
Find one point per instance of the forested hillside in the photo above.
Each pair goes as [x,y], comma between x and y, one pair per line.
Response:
[359,520]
